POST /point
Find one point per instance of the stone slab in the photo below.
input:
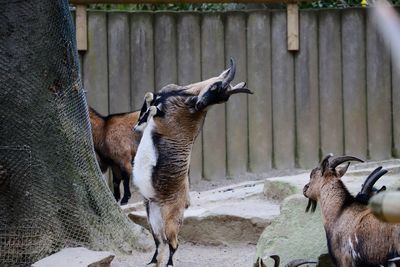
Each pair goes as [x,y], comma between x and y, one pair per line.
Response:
[77,257]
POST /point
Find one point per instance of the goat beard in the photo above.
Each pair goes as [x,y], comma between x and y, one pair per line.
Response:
[312,204]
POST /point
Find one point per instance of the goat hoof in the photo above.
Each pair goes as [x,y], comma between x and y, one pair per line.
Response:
[124,201]
[152,264]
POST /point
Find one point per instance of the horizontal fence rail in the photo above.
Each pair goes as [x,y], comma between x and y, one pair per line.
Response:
[337,94]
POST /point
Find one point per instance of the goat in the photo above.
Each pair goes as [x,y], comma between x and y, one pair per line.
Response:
[169,127]
[115,146]
[367,189]
[355,236]
[277,260]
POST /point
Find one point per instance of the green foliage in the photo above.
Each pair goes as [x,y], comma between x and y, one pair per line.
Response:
[319,4]
[160,7]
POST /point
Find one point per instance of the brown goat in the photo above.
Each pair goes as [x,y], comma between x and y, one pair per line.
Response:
[170,126]
[355,236]
[115,145]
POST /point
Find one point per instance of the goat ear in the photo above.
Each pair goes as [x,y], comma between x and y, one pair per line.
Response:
[342,170]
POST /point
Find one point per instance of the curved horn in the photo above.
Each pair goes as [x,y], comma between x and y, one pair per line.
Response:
[372,179]
[231,74]
[295,263]
[276,259]
[325,162]
[339,160]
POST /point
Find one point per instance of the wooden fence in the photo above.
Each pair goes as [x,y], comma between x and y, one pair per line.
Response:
[337,94]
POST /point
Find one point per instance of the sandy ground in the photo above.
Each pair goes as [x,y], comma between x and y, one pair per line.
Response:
[190,255]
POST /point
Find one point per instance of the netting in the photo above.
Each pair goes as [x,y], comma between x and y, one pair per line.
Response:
[51,191]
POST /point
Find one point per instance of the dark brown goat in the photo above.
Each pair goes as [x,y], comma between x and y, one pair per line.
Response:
[115,145]
[356,238]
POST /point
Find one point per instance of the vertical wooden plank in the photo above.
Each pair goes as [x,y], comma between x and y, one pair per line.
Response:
[259,81]
[95,62]
[282,95]
[307,102]
[81,27]
[378,95]
[214,138]
[142,57]
[236,108]
[396,108]
[189,71]
[330,83]
[165,50]
[293,27]
[118,63]
[354,87]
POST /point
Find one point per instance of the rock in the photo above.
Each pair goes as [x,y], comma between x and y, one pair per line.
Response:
[294,234]
[228,215]
[277,190]
[77,257]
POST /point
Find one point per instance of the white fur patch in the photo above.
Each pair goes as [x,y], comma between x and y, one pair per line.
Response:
[156,221]
[145,160]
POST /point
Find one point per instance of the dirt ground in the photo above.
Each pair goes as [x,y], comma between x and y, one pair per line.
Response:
[193,255]
[190,255]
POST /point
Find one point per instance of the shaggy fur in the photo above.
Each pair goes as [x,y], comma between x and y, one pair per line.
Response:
[174,119]
[355,236]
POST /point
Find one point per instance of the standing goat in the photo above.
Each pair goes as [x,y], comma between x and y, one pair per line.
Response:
[355,236]
[170,126]
[115,146]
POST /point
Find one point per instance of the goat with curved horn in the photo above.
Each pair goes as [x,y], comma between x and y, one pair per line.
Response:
[350,225]
[169,128]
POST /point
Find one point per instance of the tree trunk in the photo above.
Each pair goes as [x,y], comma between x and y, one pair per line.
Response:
[52,194]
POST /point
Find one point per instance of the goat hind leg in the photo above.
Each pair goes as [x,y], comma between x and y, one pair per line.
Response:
[116,182]
[172,237]
[127,191]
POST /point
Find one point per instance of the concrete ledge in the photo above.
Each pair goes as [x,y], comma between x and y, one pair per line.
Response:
[77,257]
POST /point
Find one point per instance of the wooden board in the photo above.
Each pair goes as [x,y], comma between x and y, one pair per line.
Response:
[259,81]
[189,71]
[142,57]
[118,63]
[354,83]
[330,83]
[378,95]
[212,64]
[396,108]
[236,108]
[95,63]
[306,81]
[282,95]
[165,50]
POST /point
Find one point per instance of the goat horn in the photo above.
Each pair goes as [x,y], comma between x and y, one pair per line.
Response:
[231,74]
[295,263]
[372,179]
[239,88]
[276,259]
[339,160]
